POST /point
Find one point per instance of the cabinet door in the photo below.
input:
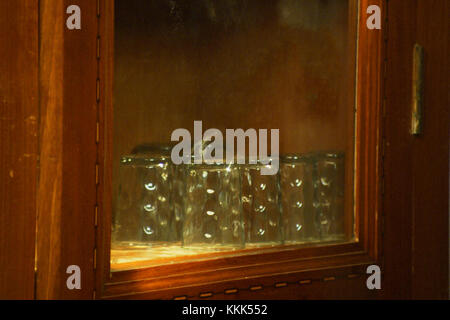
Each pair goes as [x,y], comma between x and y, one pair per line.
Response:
[287,65]
[137,70]
[415,201]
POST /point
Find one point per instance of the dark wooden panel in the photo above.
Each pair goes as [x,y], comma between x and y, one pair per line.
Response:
[416,167]
[398,141]
[18,146]
[67,194]
[431,157]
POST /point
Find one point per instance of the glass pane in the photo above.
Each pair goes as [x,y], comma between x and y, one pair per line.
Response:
[231,64]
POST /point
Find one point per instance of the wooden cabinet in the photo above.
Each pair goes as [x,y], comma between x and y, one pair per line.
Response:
[394,203]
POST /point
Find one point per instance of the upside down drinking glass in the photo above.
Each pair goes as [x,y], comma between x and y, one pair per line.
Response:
[213,208]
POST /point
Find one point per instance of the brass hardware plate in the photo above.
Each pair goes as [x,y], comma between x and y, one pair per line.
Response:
[417,90]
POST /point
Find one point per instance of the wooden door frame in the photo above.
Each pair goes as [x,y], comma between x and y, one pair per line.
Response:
[68,150]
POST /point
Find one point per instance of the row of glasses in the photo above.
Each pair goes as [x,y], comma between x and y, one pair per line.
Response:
[229,205]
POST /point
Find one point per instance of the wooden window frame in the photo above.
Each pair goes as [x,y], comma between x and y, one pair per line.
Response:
[227,275]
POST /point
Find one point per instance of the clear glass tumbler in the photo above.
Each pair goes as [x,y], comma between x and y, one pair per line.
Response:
[148,210]
[261,206]
[212,206]
[329,178]
[297,196]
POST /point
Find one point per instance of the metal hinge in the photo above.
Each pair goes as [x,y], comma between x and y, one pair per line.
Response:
[98,47]
[95,258]
[96,216]
[98,90]
[97,133]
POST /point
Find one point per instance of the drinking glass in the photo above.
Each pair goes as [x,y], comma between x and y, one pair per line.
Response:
[297,196]
[213,207]
[329,195]
[148,209]
[261,206]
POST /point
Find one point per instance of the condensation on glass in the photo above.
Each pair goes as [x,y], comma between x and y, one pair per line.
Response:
[287,65]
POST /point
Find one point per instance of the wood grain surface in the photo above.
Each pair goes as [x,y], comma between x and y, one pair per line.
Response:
[19,117]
